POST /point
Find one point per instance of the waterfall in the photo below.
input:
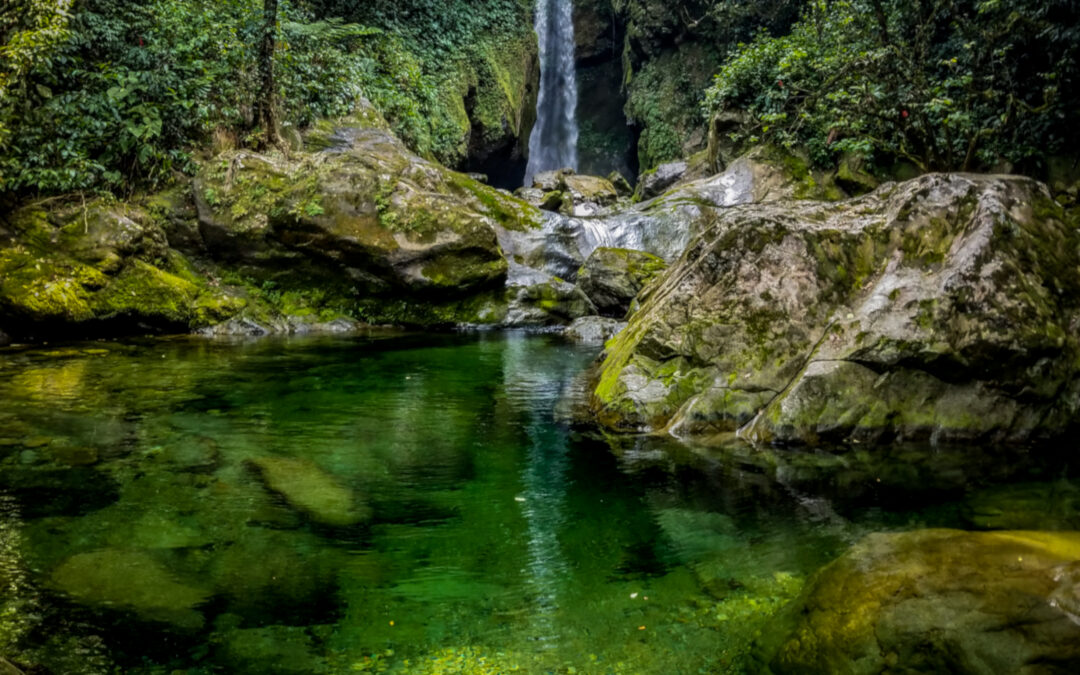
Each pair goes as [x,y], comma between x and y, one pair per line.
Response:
[553,143]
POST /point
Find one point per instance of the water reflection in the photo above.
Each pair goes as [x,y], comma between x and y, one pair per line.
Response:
[491,534]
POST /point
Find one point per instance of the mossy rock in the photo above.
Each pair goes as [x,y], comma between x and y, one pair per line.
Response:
[940,601]
[314,492]
[612,278]
[920,311]
[131,580]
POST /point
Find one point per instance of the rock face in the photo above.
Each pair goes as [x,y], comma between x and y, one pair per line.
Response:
[942,308]
[102,268]
[612,278]
[942,601]
[653,183]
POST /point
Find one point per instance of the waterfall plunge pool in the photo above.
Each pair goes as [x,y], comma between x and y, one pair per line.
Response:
[408,504]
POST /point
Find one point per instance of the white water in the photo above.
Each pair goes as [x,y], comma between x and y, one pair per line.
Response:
[553,143]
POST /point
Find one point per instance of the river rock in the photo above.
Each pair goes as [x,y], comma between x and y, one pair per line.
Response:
[593,329]
[273,650]
[131,580]
[587,195]
[944,308]
[654,183]
[309,489]
[612,278]
[4,339]
[292,571]
[941,601]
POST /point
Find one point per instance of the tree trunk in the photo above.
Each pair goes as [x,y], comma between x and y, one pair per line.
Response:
[265,115]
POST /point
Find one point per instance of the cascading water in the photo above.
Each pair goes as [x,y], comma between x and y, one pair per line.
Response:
[553,143]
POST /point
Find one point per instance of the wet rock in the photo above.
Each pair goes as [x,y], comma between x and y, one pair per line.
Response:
[587,195]
[940,601]
[612,278]
[553,301]
[274,650]
[622,186]
[74,455]
[131,580]
[44,490]
[721,150]
[309,489]
[939,309]
[4,339]
[594,31]
[293,573]
[654,183]
[594,329]
[549,181]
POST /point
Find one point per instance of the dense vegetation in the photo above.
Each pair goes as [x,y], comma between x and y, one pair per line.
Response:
[943,84]
[108,94]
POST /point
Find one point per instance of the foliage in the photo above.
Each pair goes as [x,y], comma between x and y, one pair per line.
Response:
[945,84]
[114,94]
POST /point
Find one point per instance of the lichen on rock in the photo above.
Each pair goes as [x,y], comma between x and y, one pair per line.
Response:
[939,308]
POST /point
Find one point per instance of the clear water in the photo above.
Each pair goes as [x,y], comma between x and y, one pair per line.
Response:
[138,536]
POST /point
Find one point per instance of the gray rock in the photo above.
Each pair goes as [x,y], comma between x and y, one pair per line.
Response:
[612,278]
[594,329]
[4,339]
[654,183]
[944,308]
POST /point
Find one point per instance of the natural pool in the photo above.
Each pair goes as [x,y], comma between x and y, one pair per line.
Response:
[415,504]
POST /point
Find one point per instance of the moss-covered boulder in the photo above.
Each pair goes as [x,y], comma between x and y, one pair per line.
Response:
[131,580]
[941,601]
[612,278]
[942,308]
[309,489]
[271,650]
[106,268]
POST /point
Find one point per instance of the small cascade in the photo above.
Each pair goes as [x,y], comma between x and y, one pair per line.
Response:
[553,143]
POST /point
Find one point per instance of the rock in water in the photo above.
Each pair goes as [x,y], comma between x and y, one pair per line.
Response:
[941,601]
[311,490]
[593,329]
[943,308]
[612,278]
[130,580]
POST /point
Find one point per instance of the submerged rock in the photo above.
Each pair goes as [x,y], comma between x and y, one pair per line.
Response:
[594,329]
[276,650]
[131,580]
[311,490]
[941,601]
[612,278]
[284,571]
[945,308]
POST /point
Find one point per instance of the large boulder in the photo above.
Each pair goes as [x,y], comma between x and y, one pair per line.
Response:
[943,308]
[612,278]
[106,268]
[941,601]
[653,183]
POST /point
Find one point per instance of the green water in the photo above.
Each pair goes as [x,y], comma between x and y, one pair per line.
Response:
[430,513]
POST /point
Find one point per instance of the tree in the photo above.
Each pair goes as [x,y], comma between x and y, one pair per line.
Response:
[265,114]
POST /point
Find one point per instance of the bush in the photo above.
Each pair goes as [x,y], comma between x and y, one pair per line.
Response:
[945,84]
